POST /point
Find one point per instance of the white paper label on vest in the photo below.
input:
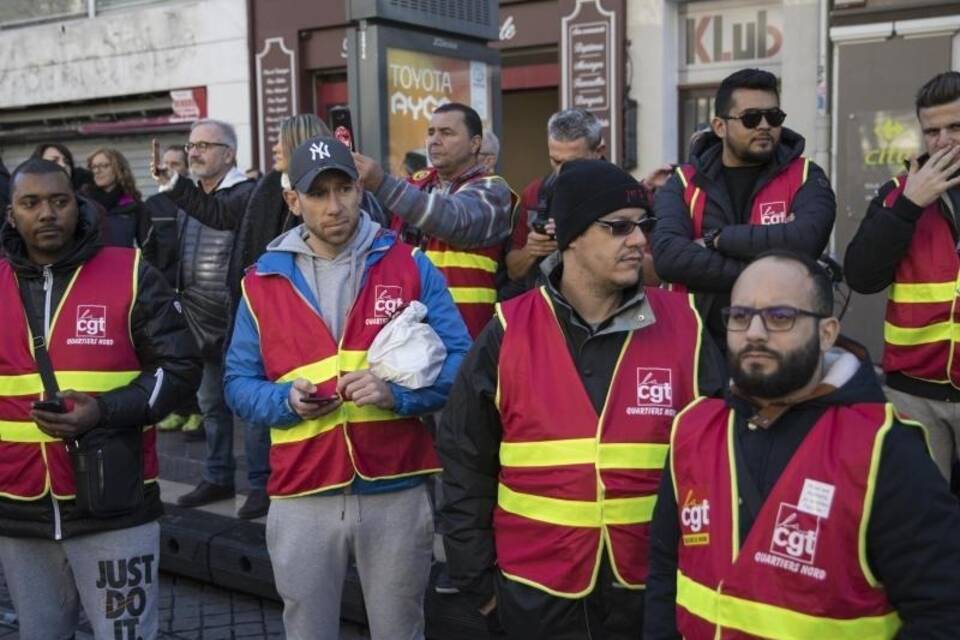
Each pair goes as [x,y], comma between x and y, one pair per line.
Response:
[816,498]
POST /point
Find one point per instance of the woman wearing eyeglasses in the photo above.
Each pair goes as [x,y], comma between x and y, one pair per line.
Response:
[127,222]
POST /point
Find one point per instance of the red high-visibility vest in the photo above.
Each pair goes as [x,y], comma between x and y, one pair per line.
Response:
[922,329]
[470,273]
[802,572]
[771,205]
[571,482]
[91,350]
[330,451]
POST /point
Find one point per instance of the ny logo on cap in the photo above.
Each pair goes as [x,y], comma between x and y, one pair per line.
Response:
[319,151]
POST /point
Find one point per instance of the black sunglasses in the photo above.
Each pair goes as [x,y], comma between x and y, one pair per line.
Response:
[751,117]
[779,318]
[626,227]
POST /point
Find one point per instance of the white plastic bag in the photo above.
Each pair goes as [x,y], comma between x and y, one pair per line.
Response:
[407,351]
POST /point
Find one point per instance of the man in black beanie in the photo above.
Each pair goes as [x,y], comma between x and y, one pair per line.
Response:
[556,429]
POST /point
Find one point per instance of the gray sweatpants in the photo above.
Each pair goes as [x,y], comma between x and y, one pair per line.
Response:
[114,575]
[310,540]
[942,420]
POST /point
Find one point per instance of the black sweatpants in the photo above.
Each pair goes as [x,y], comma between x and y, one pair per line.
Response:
[608,613]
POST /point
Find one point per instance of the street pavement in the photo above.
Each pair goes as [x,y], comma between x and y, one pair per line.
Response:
[191,610]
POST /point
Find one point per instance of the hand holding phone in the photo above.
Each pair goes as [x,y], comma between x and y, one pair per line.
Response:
[56,405]
[319,400]
[308,402]
[158,170]
[342,126]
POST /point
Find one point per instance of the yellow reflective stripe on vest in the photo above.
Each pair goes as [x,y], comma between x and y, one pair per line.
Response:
[923,291]
[693,201]
[904,336]
[18,431]
[328,367]
[473,295]
[551,453]
[576,513]
[348,412]
[462,260]
[85,381]
[769,621]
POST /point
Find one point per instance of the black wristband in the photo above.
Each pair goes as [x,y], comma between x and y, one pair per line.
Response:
[710,239]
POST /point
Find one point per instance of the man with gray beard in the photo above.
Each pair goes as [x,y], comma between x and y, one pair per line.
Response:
[221,190]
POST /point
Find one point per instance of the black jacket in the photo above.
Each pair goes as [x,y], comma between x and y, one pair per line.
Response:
[912,546]
[265,218]
[873,255]
[711,274]
[125,223]
[162,342]
[468,440]
[165,238]
[205,254]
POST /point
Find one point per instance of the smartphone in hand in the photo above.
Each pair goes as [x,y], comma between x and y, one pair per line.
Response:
[342,126]
[57,405]
[319,400]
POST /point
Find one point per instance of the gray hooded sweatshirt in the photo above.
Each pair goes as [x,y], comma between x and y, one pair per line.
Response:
[340,276]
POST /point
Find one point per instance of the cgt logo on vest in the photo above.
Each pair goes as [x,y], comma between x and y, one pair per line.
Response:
[773,212]
[793,545]
[91,327]
[695,517]
[654,393]
[388,299]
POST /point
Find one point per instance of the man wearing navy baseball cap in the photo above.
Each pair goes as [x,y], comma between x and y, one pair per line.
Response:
[344,443]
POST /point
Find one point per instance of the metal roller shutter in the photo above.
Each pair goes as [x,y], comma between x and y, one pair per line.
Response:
[136,149]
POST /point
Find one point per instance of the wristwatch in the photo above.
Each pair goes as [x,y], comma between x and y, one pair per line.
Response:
[710,239]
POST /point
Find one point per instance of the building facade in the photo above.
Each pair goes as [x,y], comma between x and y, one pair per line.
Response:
[118,73]
[882,51]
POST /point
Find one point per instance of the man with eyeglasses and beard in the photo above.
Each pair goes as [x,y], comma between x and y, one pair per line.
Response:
[747,189]
[800,505]
[211,208]
[555,432]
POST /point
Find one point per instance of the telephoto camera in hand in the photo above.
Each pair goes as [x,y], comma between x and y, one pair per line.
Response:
[541,215]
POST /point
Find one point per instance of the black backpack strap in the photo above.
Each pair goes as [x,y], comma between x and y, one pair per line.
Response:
[44,366]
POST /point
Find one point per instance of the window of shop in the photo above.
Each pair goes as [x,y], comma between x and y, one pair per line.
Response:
[101,5]
[24,12]
[13,12]
[696,110]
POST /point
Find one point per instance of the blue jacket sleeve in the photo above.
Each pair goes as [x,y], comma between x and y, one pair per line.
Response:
[444,318]
[248,391]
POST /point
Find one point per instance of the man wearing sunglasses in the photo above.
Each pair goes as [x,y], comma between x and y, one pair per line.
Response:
[800,505]
[909,239]
[555,432]
[746,189]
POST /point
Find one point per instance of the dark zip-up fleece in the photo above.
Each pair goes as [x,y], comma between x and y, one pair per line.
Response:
[874,254]
[912,542]
[711,273]
[468,440]
[168,358]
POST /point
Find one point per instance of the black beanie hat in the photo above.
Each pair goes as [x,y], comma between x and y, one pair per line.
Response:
[587,190]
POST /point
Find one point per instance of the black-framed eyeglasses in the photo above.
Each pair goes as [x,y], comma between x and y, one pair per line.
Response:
[778,318]
[751,117]
[626,227]
[202,146]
